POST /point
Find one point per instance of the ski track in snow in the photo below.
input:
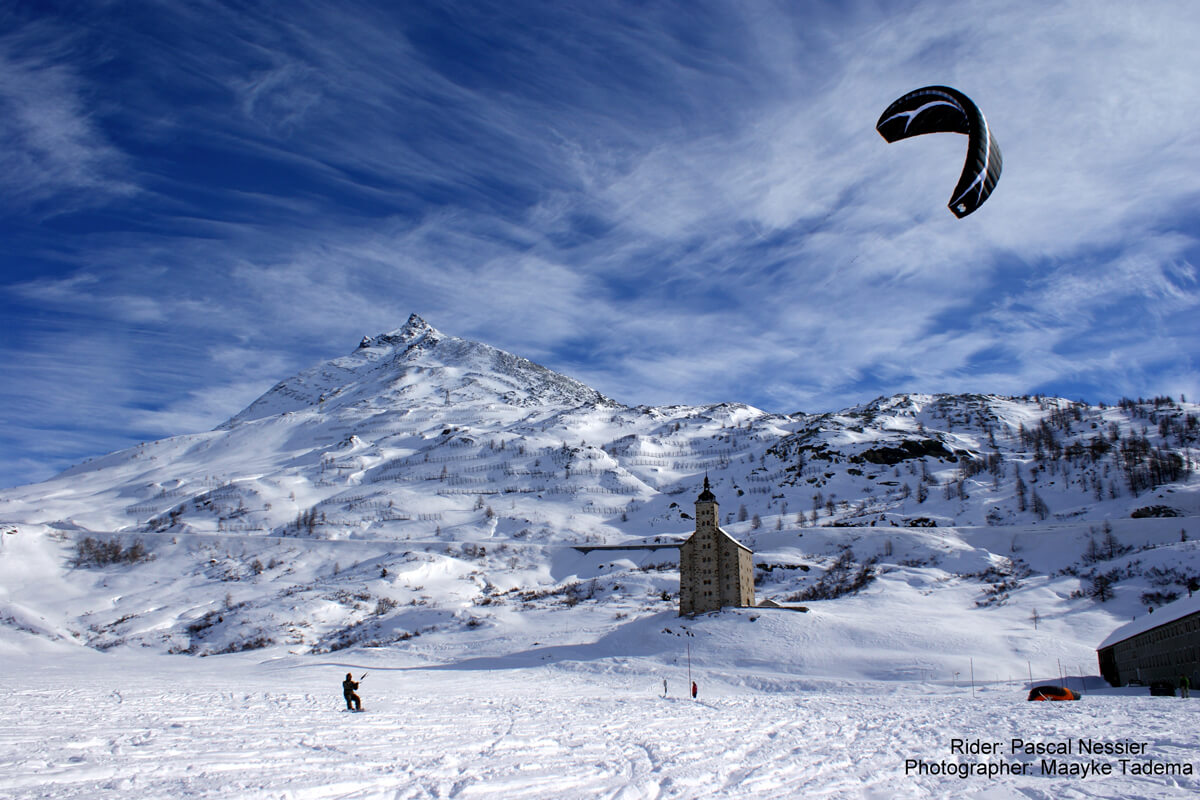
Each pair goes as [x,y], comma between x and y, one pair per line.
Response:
[231,727]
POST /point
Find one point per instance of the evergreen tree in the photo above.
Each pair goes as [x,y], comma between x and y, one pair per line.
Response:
[1101,587]
[1039,506]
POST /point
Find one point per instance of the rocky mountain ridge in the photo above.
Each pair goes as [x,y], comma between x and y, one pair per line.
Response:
[415,365]
[425,425]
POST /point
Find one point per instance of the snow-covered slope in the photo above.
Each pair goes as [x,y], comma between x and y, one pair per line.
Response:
[438,494]
[497,544]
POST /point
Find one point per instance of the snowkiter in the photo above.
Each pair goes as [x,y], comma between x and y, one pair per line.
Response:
[695,690]
[353,701]
[1185,686]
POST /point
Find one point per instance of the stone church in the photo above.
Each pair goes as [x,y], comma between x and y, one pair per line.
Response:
[715,570]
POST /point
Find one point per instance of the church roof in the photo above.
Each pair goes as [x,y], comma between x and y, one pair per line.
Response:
[706,496]
[722,533]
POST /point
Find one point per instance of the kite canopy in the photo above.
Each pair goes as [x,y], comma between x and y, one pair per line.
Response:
[1052,693]
[940,109]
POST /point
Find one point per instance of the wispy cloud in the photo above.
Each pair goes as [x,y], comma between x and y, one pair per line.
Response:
[675,203]
[55,155]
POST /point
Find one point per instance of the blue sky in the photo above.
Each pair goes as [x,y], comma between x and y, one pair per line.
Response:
[673,202]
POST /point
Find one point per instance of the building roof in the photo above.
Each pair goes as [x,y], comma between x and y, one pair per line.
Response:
[722,532]
[1167,614]
[706,496]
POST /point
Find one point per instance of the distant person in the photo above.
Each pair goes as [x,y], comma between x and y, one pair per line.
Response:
[694,690]
[353,701]
[1185,686]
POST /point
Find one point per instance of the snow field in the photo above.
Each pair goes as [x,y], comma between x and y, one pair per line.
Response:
[562,701]
[79,724]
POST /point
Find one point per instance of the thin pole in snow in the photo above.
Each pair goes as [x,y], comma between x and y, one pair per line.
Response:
[691,684]
[972,676]
[1029,664]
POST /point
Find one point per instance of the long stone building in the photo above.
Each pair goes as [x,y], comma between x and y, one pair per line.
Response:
[1162,646]
[715,570]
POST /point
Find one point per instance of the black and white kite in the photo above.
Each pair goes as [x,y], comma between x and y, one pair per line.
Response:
[940,109]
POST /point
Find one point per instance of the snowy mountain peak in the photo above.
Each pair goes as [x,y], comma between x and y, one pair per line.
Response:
[417,365]
[415,330]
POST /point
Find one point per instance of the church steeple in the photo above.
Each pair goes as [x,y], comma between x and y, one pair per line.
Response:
[706,507]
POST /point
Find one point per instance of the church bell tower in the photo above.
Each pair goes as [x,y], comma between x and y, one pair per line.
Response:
[715,570]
